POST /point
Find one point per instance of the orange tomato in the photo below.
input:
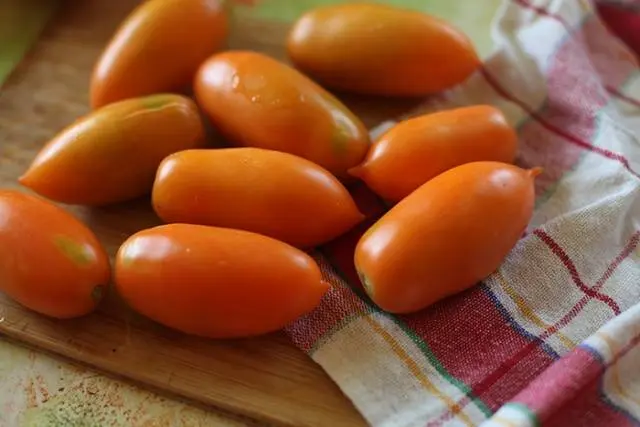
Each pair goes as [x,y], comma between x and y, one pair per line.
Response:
[416,150]
[50,262]
[112,154]
[216,282]
[380,50]
[259,102]
[449,234]
[268,192]
[158,48]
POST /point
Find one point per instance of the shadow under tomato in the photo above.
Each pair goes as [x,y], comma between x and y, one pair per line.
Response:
[115,223]
[374,110]
[340,251]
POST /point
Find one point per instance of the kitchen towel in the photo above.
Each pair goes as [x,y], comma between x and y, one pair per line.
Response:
[552,337]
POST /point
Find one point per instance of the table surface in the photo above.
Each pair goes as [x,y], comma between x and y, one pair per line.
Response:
[43,390]
[39,390]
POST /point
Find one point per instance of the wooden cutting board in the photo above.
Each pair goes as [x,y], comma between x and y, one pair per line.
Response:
[266,378]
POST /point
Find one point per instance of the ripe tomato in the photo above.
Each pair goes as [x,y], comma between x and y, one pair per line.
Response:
[112,154]
[449,234]
[380,50]
[268,192]
[158,48]
[216,282]
[49,261]
[418,149]
[259,102]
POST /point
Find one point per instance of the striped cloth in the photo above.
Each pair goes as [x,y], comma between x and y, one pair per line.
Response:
[553,336]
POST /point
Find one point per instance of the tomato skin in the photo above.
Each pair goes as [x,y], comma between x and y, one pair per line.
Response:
[216,282]
[416,150]
[380,49]
[147,53]
[452,232]
[256,101]
[112,154]
[50,262]
[268,192]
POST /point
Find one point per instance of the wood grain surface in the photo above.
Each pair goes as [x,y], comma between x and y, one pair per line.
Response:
[266,378]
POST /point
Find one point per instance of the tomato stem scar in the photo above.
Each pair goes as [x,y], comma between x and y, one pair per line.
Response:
[356,171]
[155,102]
[534,172]
[98,293]
[366,284]
[75,251]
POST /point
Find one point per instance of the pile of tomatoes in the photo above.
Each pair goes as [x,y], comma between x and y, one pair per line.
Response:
[231,259]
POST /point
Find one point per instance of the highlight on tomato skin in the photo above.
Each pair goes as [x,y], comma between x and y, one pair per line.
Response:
[265,191]
[420,148]
[257,101]
[380,49]
[50,262]
[158,48]
[216,282]
[111,155]
[449,234]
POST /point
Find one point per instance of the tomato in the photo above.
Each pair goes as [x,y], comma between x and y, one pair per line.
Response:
[268,192]
[216,282]
[418,149]
[446,236]
[379,49]
[50,262]
[112,154]
[158,48]
[259,102]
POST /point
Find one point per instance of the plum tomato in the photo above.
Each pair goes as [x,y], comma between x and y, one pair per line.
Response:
[378,49]
[418,149]
[216,282]
[445,237]
[268,192]
[112,154]
[158,48]
[50,262]
[257,101]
